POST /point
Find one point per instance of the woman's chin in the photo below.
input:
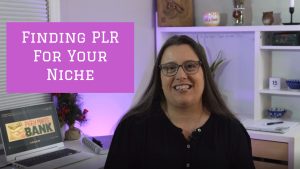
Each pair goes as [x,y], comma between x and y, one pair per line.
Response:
[184,103]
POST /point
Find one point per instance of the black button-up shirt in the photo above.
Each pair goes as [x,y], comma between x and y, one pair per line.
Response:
[153,142]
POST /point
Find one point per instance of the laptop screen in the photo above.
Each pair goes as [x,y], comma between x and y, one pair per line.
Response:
[29,127]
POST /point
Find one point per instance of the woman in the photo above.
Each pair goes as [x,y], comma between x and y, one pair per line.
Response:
[181,120]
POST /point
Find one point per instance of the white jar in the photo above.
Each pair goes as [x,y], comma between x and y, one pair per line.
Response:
[211,18]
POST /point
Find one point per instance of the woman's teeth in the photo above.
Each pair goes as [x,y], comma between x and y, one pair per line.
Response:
[182,87]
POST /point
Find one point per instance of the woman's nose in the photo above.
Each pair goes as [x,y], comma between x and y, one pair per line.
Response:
[181,73]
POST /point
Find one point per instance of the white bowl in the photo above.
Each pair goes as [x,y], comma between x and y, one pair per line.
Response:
[211,18]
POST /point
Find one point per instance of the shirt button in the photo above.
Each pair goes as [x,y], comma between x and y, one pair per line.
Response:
[187,165]
[188,146]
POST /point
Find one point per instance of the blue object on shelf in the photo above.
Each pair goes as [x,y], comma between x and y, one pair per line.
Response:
[293,84]
[276,112]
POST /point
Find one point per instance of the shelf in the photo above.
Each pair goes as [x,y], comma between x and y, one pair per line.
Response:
[208,29]
[229,28]
[281,92]
[280,47]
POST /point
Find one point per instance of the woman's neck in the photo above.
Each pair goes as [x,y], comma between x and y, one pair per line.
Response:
[184,112]
[188,119]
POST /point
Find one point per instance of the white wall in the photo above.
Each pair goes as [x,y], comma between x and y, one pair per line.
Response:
[106,109]
[254,10]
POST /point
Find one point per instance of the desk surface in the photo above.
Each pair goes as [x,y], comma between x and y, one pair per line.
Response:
[106,140]
[96,162]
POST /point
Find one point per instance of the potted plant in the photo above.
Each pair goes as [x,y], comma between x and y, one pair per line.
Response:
[68,106]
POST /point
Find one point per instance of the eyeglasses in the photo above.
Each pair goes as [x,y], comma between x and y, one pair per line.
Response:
[171,69]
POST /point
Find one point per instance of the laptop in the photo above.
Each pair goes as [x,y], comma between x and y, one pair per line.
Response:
[31,138]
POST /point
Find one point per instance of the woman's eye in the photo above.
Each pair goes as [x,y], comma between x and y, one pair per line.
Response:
[171,68]
[190,66]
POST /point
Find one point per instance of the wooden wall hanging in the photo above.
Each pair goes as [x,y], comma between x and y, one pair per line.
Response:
[175,12]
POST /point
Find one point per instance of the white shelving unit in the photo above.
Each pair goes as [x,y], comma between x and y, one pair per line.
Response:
[265,61]
[262,58]
[275,61]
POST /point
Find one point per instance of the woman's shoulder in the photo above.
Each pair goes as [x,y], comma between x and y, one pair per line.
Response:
[230,123]
[132,119]
[136,120]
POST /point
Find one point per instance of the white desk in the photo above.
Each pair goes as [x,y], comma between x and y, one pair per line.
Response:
[96,162]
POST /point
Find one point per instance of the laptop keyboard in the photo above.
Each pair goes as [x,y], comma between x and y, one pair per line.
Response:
[47,157]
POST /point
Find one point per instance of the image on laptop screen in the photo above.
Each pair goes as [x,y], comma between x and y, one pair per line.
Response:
[29,127]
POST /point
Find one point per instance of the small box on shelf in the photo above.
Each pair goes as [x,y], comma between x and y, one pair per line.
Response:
[274,83]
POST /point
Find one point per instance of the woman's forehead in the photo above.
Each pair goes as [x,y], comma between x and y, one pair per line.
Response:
[178,53]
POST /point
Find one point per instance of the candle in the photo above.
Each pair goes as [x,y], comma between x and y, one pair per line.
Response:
[292,3]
